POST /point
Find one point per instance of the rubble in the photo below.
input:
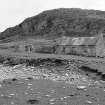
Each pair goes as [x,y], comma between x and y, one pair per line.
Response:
[23,71]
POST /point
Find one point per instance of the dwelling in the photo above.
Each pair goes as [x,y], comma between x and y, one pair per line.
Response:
[87,46]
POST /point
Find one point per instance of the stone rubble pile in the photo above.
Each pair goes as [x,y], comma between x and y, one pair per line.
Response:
[23,71]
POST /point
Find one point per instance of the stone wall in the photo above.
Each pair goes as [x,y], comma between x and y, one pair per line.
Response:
[45,49]
[77,50]
[100,46]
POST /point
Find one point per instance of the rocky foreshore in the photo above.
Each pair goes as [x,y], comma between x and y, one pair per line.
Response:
[40,72]
[69,71]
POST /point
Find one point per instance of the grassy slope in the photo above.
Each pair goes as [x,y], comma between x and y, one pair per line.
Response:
[56,23]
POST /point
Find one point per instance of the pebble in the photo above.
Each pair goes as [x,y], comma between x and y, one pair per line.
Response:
[65,97]
[53,99]
[52,103]
[89,102]
[0,85]
[26,93]
[12,103]
[47,95]
[29,84]
[12,94]
[28,87]
[81,87]
[64,87]
[2,95]
[52,91]
[62,98]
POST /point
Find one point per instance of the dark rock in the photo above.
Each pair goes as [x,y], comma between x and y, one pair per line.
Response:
[30,78]
[33,101]
[103,77]
[88,69]
[14,79]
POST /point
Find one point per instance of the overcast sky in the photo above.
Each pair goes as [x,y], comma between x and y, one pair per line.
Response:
[13,12]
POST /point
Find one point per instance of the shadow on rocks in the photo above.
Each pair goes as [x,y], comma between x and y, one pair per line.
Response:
[33,101]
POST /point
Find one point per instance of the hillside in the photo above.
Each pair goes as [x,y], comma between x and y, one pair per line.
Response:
[58,22]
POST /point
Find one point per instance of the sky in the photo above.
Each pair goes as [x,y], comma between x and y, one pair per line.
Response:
[13,12]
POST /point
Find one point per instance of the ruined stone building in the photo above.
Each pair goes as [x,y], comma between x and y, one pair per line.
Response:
[87,46]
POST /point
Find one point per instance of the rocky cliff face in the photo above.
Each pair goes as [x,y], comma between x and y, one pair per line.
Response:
[56,23]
